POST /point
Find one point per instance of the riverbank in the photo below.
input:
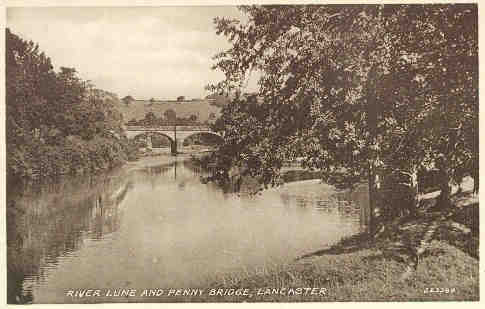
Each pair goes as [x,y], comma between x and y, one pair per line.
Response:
[442,247]
[366,274]
[360,268]
[165,157]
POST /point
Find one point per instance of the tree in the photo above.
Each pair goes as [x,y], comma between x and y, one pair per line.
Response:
[56,122]
[128,100]
[181,98]
[170,115]
[28,72]
[150,118]
[456,133]
[193,118]
[363,112]
[287,45]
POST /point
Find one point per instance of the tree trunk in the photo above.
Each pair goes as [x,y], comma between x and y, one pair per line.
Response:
[475,182]
[444,198]
[475,174]
[374,180]
[414,188]
[374,186]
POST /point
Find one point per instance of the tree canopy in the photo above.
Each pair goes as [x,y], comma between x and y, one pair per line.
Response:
[56,122]
[170,115]
[128,99]
[362,91]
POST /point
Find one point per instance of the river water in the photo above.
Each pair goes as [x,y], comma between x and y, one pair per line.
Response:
[160,227]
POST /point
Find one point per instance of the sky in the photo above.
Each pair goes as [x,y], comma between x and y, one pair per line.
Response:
[160,52]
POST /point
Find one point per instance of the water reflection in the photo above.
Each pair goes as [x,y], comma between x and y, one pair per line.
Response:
[46,222]
[349,204]
[159,227]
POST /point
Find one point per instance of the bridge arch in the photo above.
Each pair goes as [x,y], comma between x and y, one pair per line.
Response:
[150,133]
[219,137]
[148,138]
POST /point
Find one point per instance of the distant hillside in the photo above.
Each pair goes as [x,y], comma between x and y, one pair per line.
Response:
[137,109]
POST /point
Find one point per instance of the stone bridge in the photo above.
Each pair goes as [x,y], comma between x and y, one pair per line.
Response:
[176,133]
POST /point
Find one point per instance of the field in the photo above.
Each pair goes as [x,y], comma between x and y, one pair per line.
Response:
[139,108]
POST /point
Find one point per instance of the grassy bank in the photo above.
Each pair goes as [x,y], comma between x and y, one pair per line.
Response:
[363,275]
[360,268]
[380,268]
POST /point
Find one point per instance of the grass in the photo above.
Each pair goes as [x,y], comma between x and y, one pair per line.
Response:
[360,268]
[363,275]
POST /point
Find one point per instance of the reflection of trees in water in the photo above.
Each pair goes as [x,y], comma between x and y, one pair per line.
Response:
[181,172]
[194,168]
[159,170]
[46,222]
[107,212]
[347,205]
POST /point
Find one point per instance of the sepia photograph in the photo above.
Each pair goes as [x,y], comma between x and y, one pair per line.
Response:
[260,153]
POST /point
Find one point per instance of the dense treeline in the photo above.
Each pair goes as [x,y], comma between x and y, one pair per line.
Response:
[380,93]
[57,123]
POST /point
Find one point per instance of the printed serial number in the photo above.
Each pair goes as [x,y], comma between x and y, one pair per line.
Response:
[440,290]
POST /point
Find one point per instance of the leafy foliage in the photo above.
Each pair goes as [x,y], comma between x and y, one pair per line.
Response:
[128,100]
[170,115]
[365,91]
[56,122]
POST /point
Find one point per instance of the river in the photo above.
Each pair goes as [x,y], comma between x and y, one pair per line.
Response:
[159,226]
